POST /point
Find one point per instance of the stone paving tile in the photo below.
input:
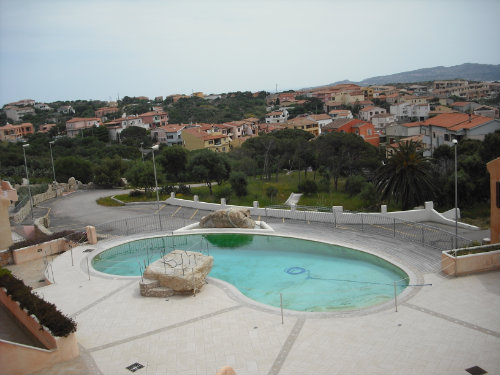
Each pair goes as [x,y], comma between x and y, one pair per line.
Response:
[464,298]
[179,350]
[388,343]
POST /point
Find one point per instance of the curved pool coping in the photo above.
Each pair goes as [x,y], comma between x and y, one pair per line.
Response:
[415,278]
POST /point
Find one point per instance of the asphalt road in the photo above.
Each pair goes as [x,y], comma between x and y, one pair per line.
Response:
[79,209]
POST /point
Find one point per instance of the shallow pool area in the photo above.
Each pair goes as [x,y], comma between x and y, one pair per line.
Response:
[307,275]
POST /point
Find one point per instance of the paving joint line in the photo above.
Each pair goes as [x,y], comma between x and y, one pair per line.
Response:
[103,298]
[453,320]
[163,329]
[287,347]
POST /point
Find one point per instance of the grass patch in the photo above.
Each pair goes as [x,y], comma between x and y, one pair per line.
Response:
[108,202]
[478,215]
[141,198]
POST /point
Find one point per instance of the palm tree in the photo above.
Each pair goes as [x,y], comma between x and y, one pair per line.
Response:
[406,176]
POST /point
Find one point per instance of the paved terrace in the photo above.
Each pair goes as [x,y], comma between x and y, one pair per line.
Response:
[445,328]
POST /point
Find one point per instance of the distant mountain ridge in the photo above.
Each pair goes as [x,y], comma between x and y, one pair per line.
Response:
[467,71]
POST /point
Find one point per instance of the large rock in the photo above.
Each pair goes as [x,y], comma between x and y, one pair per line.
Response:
[72,185]
[229,218]
[179,272]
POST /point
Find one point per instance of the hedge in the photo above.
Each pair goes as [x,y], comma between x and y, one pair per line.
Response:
[46,312]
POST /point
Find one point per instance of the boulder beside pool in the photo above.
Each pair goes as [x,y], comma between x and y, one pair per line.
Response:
[229,218]
[178,272]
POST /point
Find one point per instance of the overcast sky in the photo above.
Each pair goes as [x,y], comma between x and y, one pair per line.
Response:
[66,50]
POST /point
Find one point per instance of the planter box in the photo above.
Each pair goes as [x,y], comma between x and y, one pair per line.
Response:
[23,359]
[29,253]
[470,264]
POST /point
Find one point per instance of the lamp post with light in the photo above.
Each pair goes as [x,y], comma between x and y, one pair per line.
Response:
[52,159]
[28,178]
[142,152]
[455,143]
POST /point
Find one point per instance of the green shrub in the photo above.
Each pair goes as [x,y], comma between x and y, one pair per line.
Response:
[308,187]
[324,182]
[46,313]
[271,192]
[136,193]
[184,189]
[239,183]
[369,194]
[354,185]
[223,192]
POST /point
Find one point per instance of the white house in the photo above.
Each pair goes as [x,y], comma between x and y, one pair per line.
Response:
[276,117]
[340,113]
[407,111]
[42,106]
[367,113]
[382,120]
[322,119]
[170,134]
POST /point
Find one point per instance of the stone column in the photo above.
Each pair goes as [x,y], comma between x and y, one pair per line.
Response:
[91,234]
[5,234]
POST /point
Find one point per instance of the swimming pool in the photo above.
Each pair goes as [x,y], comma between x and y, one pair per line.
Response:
[310,275]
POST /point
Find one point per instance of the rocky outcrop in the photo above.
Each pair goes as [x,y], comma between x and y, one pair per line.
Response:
[179,272]
[230,218]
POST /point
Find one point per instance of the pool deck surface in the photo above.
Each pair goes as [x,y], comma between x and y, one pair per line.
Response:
[445,328]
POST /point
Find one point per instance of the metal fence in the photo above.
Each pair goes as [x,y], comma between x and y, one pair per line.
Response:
[426,235]
[338,220]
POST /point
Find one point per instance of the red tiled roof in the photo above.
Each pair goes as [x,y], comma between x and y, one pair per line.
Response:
[414,138]
[172,127]
[367,109]
[321,116]
[457,121]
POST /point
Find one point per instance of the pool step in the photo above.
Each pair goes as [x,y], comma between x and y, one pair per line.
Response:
[152,288]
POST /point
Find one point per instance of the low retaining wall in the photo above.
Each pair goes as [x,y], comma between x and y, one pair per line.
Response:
[20,215]
[25,254]
[23,359]
[470,264]
[52,192]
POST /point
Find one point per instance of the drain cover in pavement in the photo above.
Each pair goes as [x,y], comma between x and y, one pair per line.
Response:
[476,370]
[88,250]
[134,367]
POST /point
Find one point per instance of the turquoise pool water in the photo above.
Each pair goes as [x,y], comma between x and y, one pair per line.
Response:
[310,275]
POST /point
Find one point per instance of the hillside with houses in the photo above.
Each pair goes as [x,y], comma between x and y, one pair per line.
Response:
[434,114]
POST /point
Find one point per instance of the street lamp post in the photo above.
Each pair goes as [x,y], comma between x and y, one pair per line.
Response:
[52,159]
[455,143]
[28,178]
[156,148]
[142,152]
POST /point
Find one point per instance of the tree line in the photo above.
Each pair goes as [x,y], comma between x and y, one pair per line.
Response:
[407,178]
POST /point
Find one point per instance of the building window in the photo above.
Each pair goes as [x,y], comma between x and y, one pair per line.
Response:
[447,137]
